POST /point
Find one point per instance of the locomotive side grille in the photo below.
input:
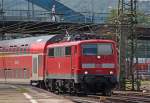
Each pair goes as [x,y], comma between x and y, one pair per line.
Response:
[108,65]
[93,65]
[88,65]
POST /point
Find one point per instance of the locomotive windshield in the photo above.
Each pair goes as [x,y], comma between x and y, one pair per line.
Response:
[97,49]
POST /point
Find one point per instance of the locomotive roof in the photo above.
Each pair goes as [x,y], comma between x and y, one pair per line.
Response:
[26,41]
[79,42]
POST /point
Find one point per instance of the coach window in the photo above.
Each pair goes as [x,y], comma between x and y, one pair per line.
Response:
[2,49]
[6,50]
[21,50]
[14,49]
[67,51]
[18,50]
[39,61]
[25,50]
[10,48]
[28,50]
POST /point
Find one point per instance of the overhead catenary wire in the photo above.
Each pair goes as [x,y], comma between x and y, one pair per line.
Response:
[16,27]
[21,27]
[21,23]
[57,8]
[61,30]
[12,26]
[31,26]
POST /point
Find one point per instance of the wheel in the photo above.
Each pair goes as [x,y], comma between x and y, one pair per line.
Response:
[58,87]
[31,82]
[107,92]
[49,86]
[72,89]
[42,84]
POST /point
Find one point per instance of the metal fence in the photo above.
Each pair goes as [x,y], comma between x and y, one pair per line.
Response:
[25,15]
[45,16]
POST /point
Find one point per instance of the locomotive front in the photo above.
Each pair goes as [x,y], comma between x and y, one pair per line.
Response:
[98,66]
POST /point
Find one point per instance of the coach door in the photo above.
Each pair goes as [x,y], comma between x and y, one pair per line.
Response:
[73,59]
[35,67]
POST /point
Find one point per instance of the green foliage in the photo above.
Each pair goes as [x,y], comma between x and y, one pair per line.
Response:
[112,16]
[142,18]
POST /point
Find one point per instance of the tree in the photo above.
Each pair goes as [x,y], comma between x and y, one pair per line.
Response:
[142,18]
[112,16]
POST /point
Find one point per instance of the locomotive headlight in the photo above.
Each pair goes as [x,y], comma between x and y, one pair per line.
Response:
[111,72]
[98,57]
[86,72]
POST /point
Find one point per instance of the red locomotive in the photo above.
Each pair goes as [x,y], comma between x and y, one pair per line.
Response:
[74,66]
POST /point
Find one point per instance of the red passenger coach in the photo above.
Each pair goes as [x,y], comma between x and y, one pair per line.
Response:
[72,66]
[22,60]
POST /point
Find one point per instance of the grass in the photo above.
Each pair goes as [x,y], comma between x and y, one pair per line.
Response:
[142,83]
[145,82]
[22,90]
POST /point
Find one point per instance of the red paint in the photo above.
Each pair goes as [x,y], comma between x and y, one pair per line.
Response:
[61,65]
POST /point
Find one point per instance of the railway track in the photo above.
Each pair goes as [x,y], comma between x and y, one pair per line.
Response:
[115,98]
[112,99]
[120,97]
[128,99]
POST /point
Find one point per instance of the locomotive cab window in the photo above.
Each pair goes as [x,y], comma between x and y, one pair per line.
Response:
[105,49]
[89,49]
[67,51]
[51,52]
[97,49]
